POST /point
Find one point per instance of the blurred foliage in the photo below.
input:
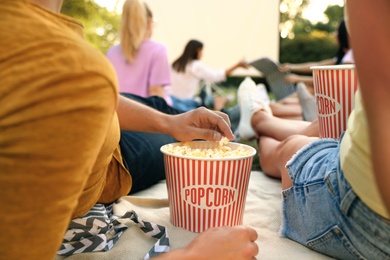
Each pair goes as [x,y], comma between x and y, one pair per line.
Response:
[334,14]
[101,26]
[292,9]
[306,41]
[312,47]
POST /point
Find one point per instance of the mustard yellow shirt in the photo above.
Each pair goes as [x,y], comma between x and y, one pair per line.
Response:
[59,132]
[355,157]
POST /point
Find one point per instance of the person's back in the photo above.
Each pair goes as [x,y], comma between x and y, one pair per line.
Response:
[186,84]
[141,64]
[188,72]
[149,68]
[53,105]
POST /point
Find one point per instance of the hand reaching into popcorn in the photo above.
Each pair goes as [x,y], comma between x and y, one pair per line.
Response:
[200,123]
[106,145]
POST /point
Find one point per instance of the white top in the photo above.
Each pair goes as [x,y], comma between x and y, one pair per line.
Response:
[185,85]
[348,57]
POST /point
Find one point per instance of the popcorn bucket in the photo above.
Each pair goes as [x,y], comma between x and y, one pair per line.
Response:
[334,89]
[207,192]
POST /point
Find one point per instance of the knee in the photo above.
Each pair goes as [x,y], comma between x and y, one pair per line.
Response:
[291,145]
[259,118]
[274,154]
[268,157]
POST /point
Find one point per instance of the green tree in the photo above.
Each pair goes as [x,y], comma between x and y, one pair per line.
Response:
[291,9]
[334,13]
[290,15]
[101,26]
[311,47]
[304,41]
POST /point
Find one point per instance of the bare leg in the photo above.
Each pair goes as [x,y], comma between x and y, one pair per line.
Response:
[255,113]
[291,99]
[265,124]
[275,154]
[288,111]
[279,140]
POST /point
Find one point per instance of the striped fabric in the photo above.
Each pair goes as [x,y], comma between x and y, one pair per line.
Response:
[99,229]
[274,77]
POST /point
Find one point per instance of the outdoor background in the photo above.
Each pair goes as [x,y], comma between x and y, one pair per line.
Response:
[230,30]
[286,31]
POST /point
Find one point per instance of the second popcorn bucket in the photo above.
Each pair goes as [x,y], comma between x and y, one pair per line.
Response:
[206,192]
[334,88]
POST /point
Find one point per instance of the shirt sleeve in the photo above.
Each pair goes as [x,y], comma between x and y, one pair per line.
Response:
[160,68]
[52,130]
[204,73]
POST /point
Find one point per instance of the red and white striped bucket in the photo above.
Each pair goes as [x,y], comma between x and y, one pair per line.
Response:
[334,88]
[207,192]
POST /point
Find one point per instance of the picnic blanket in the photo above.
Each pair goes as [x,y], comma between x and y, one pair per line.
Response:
[262,212]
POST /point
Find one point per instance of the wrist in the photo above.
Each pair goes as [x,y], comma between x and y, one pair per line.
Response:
[176,254]
[165,124]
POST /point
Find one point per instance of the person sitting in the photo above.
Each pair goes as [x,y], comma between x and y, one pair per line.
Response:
[336,196]
[141,64]
[299,72]
[188,71]
[287,77]
[69,140]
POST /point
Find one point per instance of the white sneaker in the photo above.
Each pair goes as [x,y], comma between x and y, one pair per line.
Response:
[307,102]
[249,101]
[264,93]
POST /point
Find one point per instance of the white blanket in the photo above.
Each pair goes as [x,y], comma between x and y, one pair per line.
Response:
[262,212]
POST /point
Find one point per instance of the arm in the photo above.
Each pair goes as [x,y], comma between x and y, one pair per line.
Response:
[196,124]
[227,243]
[157,90]
[370,39]
[240,64]
[294,78]
[204,73]
[304,67]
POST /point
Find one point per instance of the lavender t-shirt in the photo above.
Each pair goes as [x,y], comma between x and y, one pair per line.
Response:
[150,67]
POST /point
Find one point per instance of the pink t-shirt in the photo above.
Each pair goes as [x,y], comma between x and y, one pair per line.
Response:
[150,67]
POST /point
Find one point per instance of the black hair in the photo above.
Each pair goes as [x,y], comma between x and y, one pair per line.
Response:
[342,36]
[191,52]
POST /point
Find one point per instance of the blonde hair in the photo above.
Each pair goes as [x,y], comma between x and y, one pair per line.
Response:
[134,27]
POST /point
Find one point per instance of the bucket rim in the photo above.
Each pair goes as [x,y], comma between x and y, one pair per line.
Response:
[230,144]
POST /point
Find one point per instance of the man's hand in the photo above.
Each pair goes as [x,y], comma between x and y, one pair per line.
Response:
[225,243]
[200,123]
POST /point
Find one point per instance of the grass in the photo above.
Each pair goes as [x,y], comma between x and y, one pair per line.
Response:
[256,164]
[232,91]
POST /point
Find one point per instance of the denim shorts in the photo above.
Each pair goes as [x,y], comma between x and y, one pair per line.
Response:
[322,212]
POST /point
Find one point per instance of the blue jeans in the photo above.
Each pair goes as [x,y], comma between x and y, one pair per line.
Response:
[190,104]
[322,212]
[141,151]
[185,104]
